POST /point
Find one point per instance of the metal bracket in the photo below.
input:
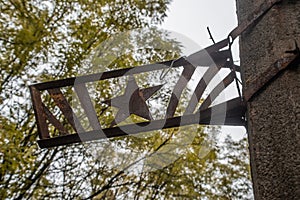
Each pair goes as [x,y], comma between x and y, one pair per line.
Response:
[254,85]
[253,18]
[58,123]
[212,57]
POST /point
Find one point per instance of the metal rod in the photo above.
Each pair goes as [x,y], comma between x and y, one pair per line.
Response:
[234,117]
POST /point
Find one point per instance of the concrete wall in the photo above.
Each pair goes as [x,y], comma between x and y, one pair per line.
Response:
[273,115]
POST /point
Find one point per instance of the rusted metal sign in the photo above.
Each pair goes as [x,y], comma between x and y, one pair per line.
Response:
[58,124]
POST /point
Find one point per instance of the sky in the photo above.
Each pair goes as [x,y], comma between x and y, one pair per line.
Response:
[188,21]
[191,17]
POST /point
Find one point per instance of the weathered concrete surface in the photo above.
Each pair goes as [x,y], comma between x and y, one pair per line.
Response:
[274,114]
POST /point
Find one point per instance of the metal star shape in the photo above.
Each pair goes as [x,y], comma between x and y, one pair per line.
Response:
[132,102]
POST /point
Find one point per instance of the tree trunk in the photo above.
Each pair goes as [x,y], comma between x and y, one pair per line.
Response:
[274,114]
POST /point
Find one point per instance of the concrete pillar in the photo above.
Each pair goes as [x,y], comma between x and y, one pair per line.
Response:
[274,114]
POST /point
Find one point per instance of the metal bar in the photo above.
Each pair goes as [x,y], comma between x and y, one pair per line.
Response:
[209,55]
[210,35]
[205,58]
[200,88]
[200,58]
[54,121]
[220,112]
[87,105]
[252,86]
[107,75]
[39,113]
[178,89]
[66,109]
[217,46]
[217,90]
[253,18]
[234,117]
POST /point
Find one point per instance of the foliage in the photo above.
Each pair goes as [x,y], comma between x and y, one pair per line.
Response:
[46,40]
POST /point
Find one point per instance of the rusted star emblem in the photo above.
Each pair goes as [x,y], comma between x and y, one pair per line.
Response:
[133,101]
